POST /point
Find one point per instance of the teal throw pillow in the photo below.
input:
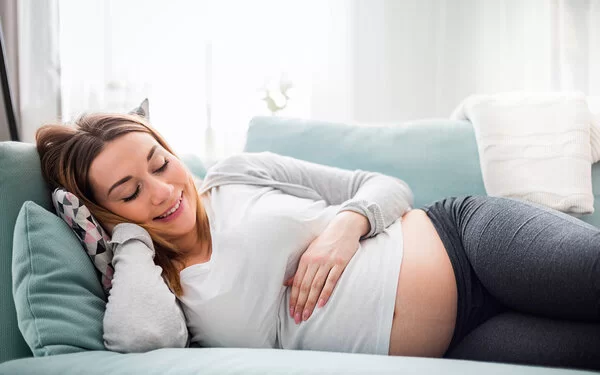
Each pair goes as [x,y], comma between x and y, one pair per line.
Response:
[59,300]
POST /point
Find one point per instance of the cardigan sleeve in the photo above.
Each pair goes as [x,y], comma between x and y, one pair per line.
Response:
[380,198]
[142,314]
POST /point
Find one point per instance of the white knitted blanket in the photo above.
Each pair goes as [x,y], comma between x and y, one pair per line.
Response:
[536,146]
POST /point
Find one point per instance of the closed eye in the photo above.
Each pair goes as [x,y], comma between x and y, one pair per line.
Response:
[137,189]
[134,195]
[163,167]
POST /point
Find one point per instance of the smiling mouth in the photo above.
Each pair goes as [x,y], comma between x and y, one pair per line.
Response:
[172,210]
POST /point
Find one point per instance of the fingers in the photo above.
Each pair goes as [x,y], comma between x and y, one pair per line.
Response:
[332,279]
[307,301]
[296,287]
[313,290]
[303,287]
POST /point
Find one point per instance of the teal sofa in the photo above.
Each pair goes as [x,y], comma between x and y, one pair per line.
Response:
[437,158]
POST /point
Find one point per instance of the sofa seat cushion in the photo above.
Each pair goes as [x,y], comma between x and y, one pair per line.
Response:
[209,361]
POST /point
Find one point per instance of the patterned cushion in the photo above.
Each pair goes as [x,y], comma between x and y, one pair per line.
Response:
[89,231]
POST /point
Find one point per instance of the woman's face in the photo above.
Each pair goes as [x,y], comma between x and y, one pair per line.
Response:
[134,177]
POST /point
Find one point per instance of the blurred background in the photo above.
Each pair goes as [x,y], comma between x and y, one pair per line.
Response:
[209,66]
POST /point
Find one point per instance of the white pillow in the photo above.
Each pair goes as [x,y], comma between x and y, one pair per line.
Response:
[534,146]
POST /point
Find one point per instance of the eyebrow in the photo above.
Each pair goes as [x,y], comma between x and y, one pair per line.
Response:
[127,178]
[151,152]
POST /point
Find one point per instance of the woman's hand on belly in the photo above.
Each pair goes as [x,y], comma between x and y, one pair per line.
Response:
[323,262]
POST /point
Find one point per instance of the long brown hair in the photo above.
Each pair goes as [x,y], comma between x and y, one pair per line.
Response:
[66,153]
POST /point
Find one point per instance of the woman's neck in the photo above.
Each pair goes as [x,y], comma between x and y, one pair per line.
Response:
[196,245]
[191,244]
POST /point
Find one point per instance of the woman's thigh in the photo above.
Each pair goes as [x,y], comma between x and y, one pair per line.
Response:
[520,338]
[531,258]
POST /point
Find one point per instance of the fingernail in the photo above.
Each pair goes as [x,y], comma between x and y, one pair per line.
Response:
[305,315]
[297,318]
[321,303]
[292,311]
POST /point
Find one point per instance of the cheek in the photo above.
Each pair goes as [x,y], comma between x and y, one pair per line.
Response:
[181,177]
[133,211]
[179,171]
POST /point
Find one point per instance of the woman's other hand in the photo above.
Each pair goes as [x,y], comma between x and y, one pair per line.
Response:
[323,262]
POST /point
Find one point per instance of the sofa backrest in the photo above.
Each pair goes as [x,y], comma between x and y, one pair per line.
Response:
[436,157]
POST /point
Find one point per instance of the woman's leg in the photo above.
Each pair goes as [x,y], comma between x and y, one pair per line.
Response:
[508,254]
[527,339]
[530,258]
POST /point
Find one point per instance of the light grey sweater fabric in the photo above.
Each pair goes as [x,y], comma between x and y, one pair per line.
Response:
[142,314]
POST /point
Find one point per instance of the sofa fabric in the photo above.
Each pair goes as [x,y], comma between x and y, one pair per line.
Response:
[222,361]
[437,158]
[20,180]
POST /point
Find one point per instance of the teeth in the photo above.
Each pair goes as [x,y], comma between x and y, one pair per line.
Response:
[171,210]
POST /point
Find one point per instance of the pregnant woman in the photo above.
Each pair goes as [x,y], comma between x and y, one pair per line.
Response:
[273,252]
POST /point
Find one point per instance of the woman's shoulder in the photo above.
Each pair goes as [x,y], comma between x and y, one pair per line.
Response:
[250,168]
[243,160]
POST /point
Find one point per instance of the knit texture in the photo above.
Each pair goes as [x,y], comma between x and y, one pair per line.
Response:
[536,147]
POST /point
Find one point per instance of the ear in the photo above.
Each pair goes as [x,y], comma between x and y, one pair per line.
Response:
[143,110]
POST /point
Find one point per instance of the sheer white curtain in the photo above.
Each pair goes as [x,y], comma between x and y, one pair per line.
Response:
[577,39]
[116,53]
[39,65]
[416,59]
[202,63]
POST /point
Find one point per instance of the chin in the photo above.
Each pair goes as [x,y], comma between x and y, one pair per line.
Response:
[183,227]
[187,221]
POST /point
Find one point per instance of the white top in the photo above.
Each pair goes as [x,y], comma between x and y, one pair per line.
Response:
[237,299]
[264,209]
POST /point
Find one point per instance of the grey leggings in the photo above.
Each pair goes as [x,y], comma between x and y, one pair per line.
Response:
[528,281]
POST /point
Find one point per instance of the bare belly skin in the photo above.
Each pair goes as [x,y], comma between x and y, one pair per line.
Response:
[426,298]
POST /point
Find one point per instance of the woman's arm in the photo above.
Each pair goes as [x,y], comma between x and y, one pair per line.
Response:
[376,201]
[380,198]
[141,314]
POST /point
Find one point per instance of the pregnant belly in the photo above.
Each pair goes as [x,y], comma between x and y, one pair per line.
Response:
[426,298]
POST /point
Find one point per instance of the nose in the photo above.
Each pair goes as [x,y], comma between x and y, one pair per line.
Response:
[162,191]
